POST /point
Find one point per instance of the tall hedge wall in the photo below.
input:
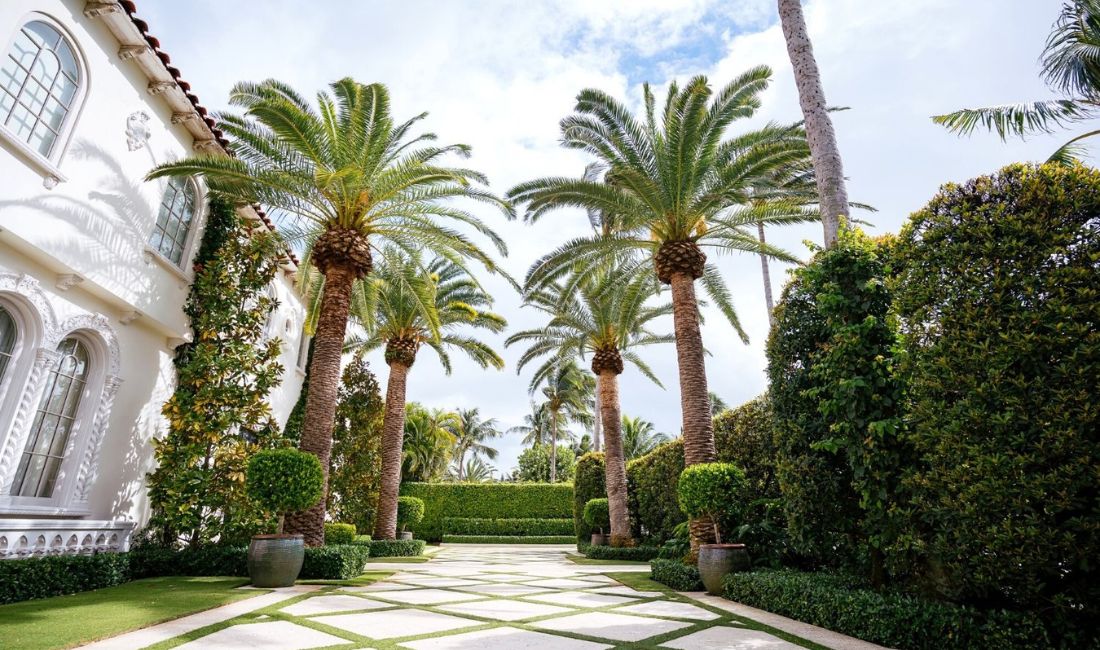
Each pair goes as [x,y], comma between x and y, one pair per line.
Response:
[651,483]
[588,483]
[487,501]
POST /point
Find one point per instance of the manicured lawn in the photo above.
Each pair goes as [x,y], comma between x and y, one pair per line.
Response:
[580,559]
[359,581]
[66,621]
[636,580]
[407,560]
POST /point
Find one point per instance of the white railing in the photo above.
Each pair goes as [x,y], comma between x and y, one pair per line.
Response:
[23,538]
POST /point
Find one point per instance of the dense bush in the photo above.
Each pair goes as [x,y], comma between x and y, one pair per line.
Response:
[892,619]
[631,553]
[395,547]
[410,512]
[534,464]
[597,514]
[509,527]
[651,482]
[151,561]
[356,474]
[588,483]
[676,575]
[337,533]
[43,577]
[338,562]
[487,501]
[713,491]
[507,539]
[285,480]
[998,294]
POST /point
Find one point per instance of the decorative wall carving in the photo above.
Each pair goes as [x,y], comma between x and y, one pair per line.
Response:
[90,463]
[44,359]
[23,538]
[137,130]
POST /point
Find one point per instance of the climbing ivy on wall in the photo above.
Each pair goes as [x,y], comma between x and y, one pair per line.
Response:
[356,475]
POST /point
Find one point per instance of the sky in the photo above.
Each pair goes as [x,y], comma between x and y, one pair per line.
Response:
[499,76]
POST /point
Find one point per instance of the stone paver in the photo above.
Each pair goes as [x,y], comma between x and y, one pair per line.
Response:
[425,596]
[581,599]
[504,638]
[505,610]
[669,609]
[606,625]
[729,638]
[392,624]
[277,634]
[505,589]
[328,604]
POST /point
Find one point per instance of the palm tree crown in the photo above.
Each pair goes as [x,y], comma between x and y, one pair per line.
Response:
[639,437]
[471,434]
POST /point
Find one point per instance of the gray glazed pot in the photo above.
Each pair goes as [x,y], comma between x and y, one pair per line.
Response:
[599,539]
[405,534]
[717,560]
[275,560]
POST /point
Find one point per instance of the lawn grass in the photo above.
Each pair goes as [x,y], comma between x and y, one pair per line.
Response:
[358,581]
[637,580]
[580,559]
[398,559]
[66,621]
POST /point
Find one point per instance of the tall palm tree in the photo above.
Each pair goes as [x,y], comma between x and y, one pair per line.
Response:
[346,178]
[403,306]
[1071,66]
[675,186]
[567,391]
[832,190]
[535,427]
[428,442]
[640,437]
[471,435]
[475,470]
[605,314]
[717,404]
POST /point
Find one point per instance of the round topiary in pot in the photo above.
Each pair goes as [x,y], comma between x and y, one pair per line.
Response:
[282,481]
[597,515]
[410,511]
[714,491]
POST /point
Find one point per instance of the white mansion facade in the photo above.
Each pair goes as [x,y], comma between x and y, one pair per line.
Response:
[94,269]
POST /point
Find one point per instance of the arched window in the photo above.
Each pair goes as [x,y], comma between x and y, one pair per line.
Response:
[53,422]
[177,211]
[8,335]
[39,82]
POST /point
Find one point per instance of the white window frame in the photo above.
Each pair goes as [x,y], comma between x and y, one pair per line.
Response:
[15,378]
[183,270]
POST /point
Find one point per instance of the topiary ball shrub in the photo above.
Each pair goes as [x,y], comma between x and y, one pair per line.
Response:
[597,514]
[337,533]
[713,491]
[284,480]
[410,512]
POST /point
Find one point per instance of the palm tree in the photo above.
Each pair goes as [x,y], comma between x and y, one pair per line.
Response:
[403,306]
[604,313]
[475,470]
[567,392]
[829,169]
[1070,66]
[347,178]
[471,434]
[535,427]
[717,404]
[428,442]
[675,186]
[639,437]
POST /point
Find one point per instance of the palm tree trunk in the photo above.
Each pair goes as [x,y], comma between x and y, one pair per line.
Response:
[829,172]
[554,446]
[615,462]
[599,419]
[393,437]
[767,276]
[694,398]
[324,373]
[461,467]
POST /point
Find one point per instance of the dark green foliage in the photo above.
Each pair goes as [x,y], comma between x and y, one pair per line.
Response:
[676,575]
[337,533]
[43,577]
[507,539]
[588,483]
[217,416]
[509,527]
[888,618]
[597,514]
[396,547]
[292,431]
[356,474]
[714,491]
[631,553]
[285,480]
[152,562]
[337,562]
[534,464]
[487,501]
[651,482]
[410,511]
[998,294]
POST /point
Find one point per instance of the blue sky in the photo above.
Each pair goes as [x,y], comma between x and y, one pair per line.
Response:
[499,75]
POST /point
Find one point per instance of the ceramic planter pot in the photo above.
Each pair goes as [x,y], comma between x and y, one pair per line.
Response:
[275,560]
[599,539]
[405,534]
[717,560]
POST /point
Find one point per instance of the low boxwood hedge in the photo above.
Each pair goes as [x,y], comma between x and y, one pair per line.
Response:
[487,501]
[335,562]
[394,547]
[631,553]
[676,574]
[43,577]
[508,539]
[338,533]
[521,527]
[889,618]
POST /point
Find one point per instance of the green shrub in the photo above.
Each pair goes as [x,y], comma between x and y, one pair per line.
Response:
[888,618]
[151,561]
[675,575]
[597,514]
[507,539]
[361,539]
[396,547]
[998,294]
[534,464]
[43,577]
[336,562]
[487,501]
[654,506]
[337,533]
[510,527]
[714,491]
[410,512]
[631,553]
[285,480]
[588,483]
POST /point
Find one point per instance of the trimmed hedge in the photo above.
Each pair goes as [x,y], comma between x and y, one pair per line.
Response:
[336,533]
[588,483]
[487,501]
[892,619]
[509,527]
[394,547]
[44,577]
[631,553]
[337,562]
[508,539]
[651,482]
[675,574]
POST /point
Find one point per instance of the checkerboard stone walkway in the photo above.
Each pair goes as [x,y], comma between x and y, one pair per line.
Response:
[489,598]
